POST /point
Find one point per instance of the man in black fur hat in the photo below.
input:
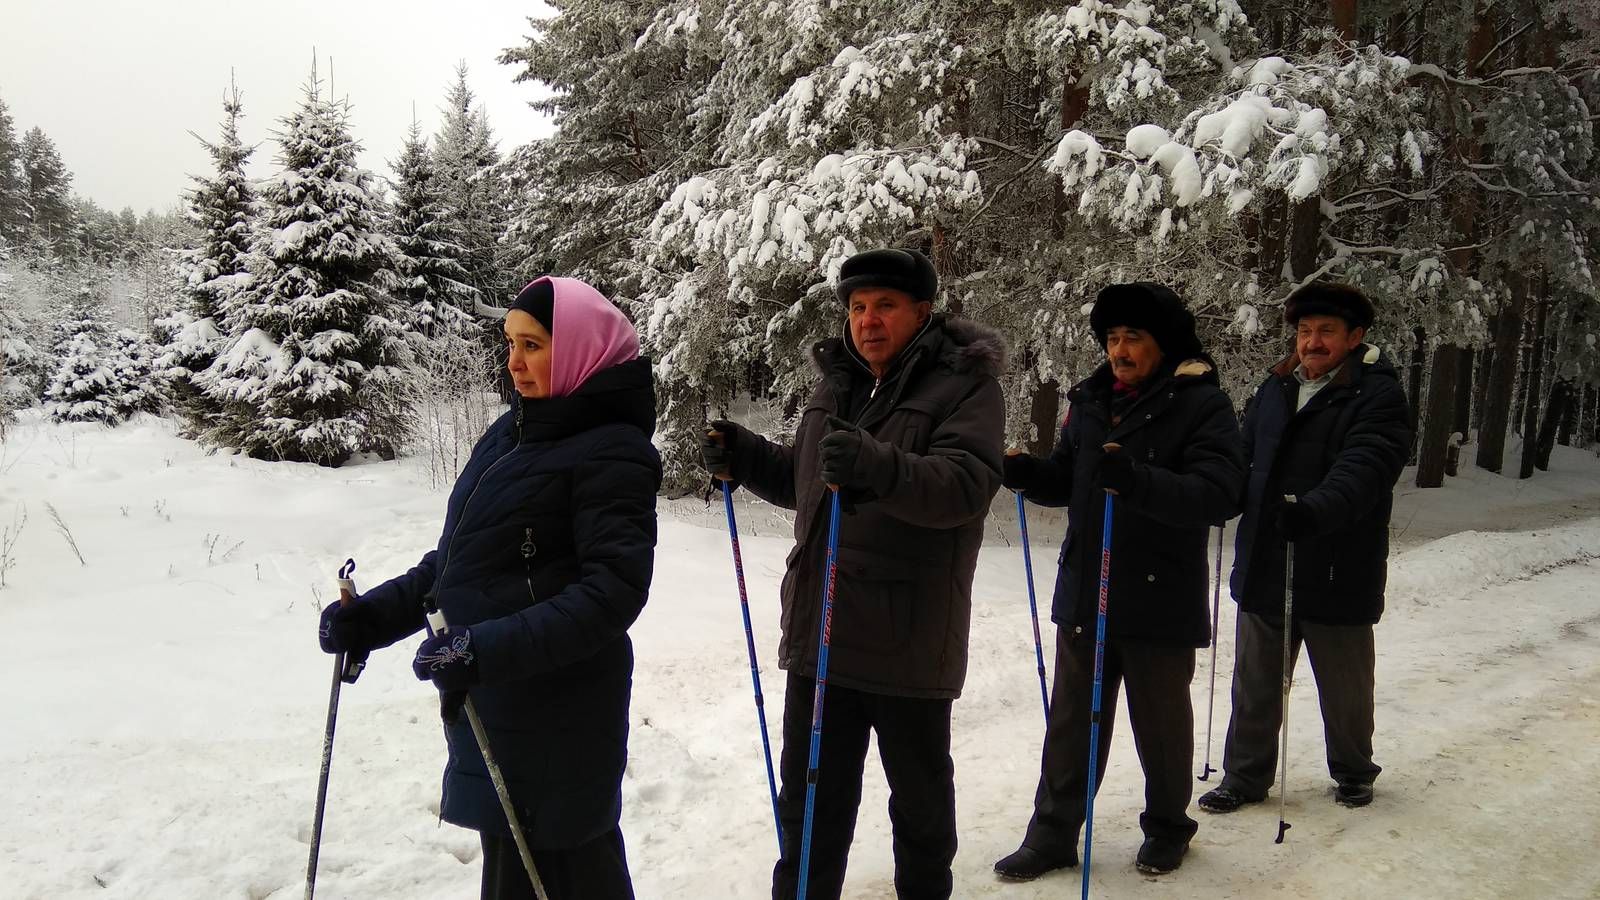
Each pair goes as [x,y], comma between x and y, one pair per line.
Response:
[1330,426]
[907,421]
[1152,427]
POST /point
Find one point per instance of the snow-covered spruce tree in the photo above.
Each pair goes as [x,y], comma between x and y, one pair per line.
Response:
[310,368]
[47,187]
[101,374]
[449,389]
[14,214]
[434,282]
[876,124]
[221,207]
[21,365]
[630,102]
[472,191]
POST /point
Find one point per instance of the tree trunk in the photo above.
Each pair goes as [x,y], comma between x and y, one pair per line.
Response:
[1569,414]
[1044,413]
[1554,415]
[1593,406]
[1443,389]
[1344,19]
[1462,420]
[1305,238]
[1530,421]
[1419,361]
[1502,377]
[1480,388]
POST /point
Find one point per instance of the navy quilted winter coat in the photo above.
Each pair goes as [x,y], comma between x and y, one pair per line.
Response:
[547,552]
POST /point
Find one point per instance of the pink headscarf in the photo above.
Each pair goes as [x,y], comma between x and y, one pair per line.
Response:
[588,334]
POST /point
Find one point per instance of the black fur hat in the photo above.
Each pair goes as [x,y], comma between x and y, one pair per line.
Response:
[1329,299]
[1152,308]
[902,270]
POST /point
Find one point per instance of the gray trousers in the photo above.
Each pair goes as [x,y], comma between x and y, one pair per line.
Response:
[1156,678]
[1342,661]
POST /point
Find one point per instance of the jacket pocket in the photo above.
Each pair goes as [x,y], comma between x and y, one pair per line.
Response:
[873,602]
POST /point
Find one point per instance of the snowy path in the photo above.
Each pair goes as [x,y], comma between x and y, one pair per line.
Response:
[162,720]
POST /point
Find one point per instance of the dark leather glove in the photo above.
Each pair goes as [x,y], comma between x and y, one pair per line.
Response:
[1016,471]
[1116,471]
[352,628]
[447,659]
[718,442]
[840,453]
[1295,521]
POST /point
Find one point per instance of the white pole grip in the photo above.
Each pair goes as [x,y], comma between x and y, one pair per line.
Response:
[436,622]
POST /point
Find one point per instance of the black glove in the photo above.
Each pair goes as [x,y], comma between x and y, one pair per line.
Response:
[353,628]
[840,453]
[717,452]
[1117,472]
[447,659]
[1016,471]
[1295,521]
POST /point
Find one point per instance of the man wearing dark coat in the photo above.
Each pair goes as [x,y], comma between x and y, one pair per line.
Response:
[1151,428]
[907,420]
[1330,427]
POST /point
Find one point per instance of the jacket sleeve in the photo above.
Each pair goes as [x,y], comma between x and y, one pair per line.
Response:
[1206,489]
[766,468]
[614,531]
[399,601]
[1368,462]
[953,482]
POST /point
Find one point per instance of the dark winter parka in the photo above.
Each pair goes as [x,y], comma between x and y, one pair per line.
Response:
[1184,440]
[547,553]
[909,546]
[1340,456]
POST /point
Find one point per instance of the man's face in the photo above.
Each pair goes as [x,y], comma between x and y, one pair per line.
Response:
[1133,354]
[1323,342]
[882,322]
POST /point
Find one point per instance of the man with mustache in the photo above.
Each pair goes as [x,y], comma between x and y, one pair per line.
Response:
[1152,427]
[1330,426]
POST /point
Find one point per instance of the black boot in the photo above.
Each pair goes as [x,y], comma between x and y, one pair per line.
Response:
[1225,800]
[1353,794]
[1158,856]
[1027,864]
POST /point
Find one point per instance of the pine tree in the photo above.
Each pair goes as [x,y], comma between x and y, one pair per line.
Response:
[472,190]
[309,372]
[213,271]
[13,195]
[433,278]
[48,191]
[21,366]
[101,374]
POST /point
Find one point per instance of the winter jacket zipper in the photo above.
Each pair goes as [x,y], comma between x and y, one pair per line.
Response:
[450,546]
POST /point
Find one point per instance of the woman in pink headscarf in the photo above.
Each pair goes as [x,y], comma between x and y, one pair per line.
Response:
[544,562]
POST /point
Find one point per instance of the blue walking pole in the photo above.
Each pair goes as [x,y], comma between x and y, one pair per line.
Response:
[1033,606]
[750,647]
[1216,613]
[1099,668]
[830,569]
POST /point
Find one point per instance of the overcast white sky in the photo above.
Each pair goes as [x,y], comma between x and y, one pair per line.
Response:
[118,86]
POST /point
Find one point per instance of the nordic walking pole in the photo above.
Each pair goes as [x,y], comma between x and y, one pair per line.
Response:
[830,569]
[1216,610]
[1099,669]
[1288,677]
[750,648]
[344,669]
[1033,606]
[436,624]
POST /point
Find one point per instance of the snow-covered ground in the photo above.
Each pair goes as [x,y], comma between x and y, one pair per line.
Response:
[163,705]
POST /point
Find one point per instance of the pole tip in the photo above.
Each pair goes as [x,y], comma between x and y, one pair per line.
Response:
[1282,827]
